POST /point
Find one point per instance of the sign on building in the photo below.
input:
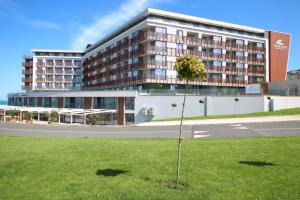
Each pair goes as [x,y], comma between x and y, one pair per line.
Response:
[253,89]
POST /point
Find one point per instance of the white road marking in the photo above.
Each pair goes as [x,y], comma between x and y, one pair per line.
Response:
[242,127]
[201,136]
[235,125]
[273,129]
[197,132]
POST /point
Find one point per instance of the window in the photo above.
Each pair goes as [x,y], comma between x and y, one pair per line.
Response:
[239,78]
[217,38]
[129,103]
[135,47]
[240,42]
[179,33]
[217,51]
[260,45]
[217,63]
[259,56]
[239,65]
[136,33]
[160,57]
[239,53]
[39,68]
[161,44]
[135,73]
[179,46]
[135,60]
[39,75]
[160,30]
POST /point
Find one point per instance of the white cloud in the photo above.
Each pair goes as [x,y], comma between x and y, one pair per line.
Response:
[12,9]
[105,24]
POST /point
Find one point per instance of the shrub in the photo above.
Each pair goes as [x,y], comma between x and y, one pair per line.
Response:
[53,115]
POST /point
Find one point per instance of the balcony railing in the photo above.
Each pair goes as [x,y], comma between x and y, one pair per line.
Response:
[26,87]
[40,71]
[211,43]
[27,64]
[27,72]
[234,46]
[26,79]
[39,79]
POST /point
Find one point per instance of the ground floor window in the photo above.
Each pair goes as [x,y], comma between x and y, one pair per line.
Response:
[129,118]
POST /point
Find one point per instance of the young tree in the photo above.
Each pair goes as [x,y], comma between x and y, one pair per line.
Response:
[53,115]
[96,118]
[188,68]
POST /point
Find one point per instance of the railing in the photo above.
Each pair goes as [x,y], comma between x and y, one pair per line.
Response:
[26,87]
[27,72]
[39,79]
[26,79]
[40,71]
[27,64]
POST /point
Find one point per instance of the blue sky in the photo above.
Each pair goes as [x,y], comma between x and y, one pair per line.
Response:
[69,24]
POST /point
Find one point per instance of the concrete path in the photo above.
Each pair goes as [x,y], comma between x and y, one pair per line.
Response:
[225,121]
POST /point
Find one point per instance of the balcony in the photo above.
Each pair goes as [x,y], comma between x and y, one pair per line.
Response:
[234,58]
[49,72]
[211,43]
[256,72]
[235,47]
[26,87]
[27,64]
[234,70]
[254,60]
[214,69]
[39,79]
[255,49]
[156,50]
[40,71]
[211,56]
[193,41]
[27,72]
[40,64]
[49,79]
[152,35]
[27,80]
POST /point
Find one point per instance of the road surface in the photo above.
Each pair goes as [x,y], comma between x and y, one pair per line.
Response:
[200,131]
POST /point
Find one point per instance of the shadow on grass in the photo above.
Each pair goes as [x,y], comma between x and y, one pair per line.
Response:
[110,172]
[256,163]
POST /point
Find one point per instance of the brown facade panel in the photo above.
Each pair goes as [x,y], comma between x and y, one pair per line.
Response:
[40,101]
[279,45]
[60,102]
[87,103]
[121,111]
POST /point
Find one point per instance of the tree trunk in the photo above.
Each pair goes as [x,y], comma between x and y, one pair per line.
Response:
[180,136]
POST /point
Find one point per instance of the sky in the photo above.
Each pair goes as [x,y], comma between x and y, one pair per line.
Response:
[71,24]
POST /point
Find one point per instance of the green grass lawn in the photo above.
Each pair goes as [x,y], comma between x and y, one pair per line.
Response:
[84,168]
[290,111]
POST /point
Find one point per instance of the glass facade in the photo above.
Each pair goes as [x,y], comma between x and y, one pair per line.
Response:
[129,103]
[105,103]
[73,102]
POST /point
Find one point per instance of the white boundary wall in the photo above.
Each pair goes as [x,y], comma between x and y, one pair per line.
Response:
[214,105]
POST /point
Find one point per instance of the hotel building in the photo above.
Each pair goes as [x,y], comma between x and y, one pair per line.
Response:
[120,70]
[52,70]
[141,54]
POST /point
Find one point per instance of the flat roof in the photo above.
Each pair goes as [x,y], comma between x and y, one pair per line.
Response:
[55,51]
[152,11]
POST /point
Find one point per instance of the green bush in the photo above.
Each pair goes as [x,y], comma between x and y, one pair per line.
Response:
[27,115]
[96,118]
[53,115]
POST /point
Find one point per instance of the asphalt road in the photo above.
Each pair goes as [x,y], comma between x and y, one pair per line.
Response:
[199,131]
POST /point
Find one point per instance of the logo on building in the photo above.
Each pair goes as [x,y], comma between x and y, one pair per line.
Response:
[279,44]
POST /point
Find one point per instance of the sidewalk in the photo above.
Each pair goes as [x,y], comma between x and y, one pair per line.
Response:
[225,121]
